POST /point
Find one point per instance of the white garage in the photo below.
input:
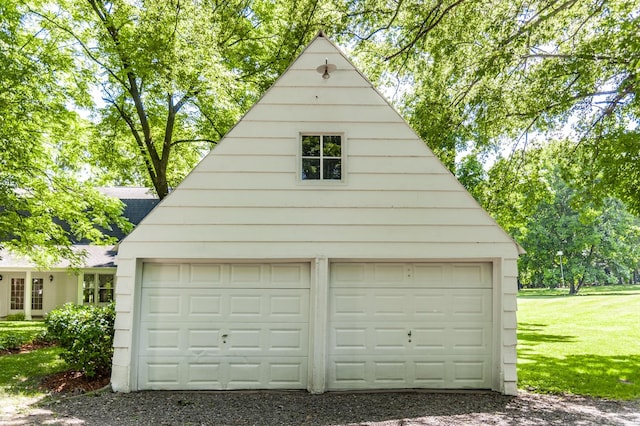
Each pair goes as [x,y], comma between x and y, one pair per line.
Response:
[322,246]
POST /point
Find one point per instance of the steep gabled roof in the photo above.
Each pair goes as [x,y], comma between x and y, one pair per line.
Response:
[246,198]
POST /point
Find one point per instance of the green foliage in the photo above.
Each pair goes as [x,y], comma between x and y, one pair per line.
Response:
[539,204]
[16,317]
[20,330]
[173,76]
[38,186]
[11,342]
[86,335]
[560,350]
[494,73]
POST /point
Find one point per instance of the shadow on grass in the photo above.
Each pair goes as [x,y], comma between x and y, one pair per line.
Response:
[616,377]
[530,334]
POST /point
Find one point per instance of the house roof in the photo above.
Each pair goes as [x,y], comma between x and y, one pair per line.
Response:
[138,203]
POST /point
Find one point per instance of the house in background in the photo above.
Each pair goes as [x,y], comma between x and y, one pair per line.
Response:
[322,246]
[26,289]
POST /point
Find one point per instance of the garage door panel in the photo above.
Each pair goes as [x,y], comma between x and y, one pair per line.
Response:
[162,339]
[222,373]
[379,337]
[421,275]
[225,275]
[474,338]
[225,304]
[162,275]
[380,372]
[175,338]
[471,306]
[180,304]
[257,339]
[413,304]
[348,339]
[267,339]
[407,325]
[204,327]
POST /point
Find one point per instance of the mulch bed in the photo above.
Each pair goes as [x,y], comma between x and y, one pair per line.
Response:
[27,347]
[73,382]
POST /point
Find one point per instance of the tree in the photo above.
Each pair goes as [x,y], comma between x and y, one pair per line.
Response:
[43,207]
[495,72]
[545,214]
[175,75]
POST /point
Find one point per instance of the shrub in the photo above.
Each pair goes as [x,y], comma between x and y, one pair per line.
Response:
[16,317]
[12,341]
[86,335]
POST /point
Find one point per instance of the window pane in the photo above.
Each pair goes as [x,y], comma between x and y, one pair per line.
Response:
[310,168]
[105,289]
[37,288]
[88,288]
[332,169]
[310,146]
[332,146]
[17,293]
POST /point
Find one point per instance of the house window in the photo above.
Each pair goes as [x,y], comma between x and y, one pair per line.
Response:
[89,288]
[97,288]
[321,157]
[105,288]
[17,293]
[37,288]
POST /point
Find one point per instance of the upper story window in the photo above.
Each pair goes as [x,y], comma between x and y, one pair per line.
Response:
[321,157]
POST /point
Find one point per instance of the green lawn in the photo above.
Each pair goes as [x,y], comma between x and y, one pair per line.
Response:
[20,374]
[587,344]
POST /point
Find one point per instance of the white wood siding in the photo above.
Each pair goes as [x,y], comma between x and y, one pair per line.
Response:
[246,193]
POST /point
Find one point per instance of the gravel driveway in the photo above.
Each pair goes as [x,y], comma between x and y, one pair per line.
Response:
[301,408]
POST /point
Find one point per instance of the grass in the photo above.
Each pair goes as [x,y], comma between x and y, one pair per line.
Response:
[586,345]
[20,374]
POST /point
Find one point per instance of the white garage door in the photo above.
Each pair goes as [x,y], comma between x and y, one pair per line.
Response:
[410,325]
[224,326]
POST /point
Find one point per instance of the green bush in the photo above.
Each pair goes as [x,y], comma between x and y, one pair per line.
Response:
[12,341]
[16,317]
[86,335]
